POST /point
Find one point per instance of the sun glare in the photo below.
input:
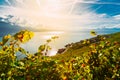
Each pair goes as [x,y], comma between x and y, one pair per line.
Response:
[34,13]
[52,52]
[47,36]
[56,32]
[51,34]
[46,14]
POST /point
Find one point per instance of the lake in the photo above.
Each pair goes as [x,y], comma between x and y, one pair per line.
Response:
[64,38]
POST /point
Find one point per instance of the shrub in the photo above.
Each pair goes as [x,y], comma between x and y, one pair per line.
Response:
[102,62]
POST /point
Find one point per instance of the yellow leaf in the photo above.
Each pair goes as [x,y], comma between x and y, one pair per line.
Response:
[93,33]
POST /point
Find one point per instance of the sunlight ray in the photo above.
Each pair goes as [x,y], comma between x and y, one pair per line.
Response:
[72,7]
[38,2]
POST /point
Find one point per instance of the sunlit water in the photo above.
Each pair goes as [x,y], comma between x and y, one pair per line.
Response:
[64,38]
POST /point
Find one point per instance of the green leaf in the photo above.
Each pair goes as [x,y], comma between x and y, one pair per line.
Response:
[21,63]
[41,48]
[5,39]
[9,73]
[3,74]
[49,40]
[48,48]
[93,33]
[22,50]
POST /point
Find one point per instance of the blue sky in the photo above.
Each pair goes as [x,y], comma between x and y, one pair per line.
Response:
[110,7]
[61,14]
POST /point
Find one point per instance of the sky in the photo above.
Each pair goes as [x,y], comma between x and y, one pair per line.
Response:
[60,14]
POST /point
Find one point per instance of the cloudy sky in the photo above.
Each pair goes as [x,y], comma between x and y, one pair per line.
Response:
[60,14]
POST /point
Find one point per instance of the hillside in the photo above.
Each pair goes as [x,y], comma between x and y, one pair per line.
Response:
[78,48]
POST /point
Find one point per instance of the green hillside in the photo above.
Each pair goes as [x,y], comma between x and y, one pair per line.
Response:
[79,48]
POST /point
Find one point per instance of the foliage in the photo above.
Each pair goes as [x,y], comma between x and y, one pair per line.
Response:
[43,49]
[101,62]
[93,33]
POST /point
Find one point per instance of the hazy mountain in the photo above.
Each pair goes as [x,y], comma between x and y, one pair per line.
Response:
[7,28]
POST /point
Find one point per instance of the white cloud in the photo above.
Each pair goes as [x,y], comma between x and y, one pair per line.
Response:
[31,13]
[87,1]
[98,2]
[117,17]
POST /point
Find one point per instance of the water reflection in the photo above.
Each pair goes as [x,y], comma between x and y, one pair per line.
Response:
[64,38]
[52,52]
[40,38]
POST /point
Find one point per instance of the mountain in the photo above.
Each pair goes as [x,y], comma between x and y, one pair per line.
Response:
[7,28]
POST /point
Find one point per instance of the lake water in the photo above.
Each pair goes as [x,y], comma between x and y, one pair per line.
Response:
[64,38]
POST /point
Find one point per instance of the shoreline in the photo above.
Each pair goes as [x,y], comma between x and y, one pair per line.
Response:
[80,43]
